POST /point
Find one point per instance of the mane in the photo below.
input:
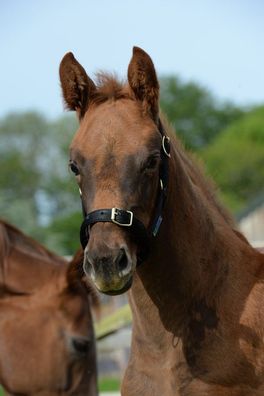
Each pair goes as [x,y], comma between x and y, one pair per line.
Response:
[11,236]
[195,169]
[109,88]
[4,242]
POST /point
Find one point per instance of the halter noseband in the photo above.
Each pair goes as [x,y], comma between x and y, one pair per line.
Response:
[126,218]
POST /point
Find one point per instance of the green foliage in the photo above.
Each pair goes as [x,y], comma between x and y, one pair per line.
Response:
[35,184]
[21,139]
[236,160]
[109,384]
[195,114]
[62,234]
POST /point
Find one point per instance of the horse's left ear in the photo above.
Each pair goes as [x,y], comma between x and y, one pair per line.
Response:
[77,86]
[143,81]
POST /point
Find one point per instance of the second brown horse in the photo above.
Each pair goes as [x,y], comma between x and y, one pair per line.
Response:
[47,345]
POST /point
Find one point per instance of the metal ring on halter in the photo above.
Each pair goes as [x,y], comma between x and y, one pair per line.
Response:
[166,142]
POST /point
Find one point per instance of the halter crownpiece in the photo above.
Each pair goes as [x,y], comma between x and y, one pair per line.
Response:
[125,218]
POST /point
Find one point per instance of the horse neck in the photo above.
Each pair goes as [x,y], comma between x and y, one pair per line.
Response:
[200,236]
[196,251]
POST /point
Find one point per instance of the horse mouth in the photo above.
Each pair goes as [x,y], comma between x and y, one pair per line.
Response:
[107,281]
[113,288]
[114,292]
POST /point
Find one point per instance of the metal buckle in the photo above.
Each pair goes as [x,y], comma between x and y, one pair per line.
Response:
[114,213]
[164,140]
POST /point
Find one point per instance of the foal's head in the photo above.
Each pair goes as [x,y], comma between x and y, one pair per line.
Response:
[115,156]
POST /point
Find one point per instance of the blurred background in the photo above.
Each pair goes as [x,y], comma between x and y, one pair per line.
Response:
[210,60]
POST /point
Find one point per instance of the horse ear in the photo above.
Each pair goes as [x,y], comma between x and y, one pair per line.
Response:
[143,81]
[76,85]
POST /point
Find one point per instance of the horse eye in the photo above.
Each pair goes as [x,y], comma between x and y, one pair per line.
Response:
[152,163]
[74,168]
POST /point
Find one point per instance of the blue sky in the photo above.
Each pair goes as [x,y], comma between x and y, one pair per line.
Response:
[217,43]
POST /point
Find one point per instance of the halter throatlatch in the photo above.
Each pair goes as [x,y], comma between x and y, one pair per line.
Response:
[125,218]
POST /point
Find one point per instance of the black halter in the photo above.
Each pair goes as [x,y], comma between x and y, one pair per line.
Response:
[126,218]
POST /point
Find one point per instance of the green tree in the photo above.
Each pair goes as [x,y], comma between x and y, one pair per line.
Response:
[62,234]
[236,160]
[195,114]
[35,185]
[21,140]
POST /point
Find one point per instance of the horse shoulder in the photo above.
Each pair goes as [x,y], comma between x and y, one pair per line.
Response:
[251,326]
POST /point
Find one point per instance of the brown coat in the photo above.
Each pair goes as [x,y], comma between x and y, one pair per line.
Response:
[197,302]
[47,345]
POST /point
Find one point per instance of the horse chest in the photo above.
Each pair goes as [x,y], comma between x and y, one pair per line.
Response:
[171,375]
[155,372]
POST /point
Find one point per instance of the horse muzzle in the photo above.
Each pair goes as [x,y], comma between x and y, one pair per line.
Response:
[111,272]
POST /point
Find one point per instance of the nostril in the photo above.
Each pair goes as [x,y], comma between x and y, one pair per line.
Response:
[122,260]
[81,345]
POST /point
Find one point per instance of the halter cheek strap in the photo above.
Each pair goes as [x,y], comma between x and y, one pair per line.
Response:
[164,180]
[125,218]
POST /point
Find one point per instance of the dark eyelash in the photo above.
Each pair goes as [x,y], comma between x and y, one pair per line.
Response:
[151,163]
[74,169]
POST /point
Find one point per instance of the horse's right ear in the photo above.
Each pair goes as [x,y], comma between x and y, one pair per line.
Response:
[76,85]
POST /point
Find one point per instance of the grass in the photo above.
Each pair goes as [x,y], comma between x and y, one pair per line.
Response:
[120,318]
[108,384]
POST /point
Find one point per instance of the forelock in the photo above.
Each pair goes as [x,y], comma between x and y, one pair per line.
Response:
[109,88]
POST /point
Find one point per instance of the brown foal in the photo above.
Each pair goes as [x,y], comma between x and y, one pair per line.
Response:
[197,300]
[47,345]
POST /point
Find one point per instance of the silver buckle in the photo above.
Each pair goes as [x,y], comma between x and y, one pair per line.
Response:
[113,217]
[165,138]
